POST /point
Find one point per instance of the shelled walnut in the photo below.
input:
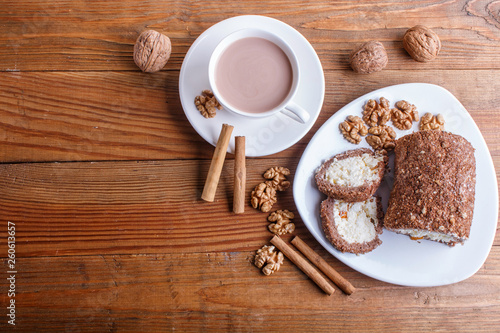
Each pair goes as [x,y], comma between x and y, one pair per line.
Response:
[431,122]
[382,138]
[269,260]
[283,222]
[263,197]
[207,104]
[277,178]
[403,115]
[152,51]
[353,128]
[377,113]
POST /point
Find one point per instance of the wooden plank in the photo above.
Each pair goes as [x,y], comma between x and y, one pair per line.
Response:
[82,116]
[132,207]
[78,35]
[224,292]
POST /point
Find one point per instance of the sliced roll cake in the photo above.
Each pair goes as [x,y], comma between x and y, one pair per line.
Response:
[353,226]
[352,176]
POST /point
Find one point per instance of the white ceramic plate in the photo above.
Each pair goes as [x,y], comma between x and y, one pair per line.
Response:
[399,260]
[264,136]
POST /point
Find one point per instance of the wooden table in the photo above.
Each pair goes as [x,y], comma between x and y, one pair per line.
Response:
[102,173]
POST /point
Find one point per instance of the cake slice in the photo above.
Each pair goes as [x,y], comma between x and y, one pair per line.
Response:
[352,176]
[434,187]
[353,226]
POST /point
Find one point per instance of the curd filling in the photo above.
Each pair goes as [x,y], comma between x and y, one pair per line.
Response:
[431,235]
[356,221]
[354,171]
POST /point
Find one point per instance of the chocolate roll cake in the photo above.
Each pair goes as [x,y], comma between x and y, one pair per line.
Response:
[353,226]
[352,176]
[434,187]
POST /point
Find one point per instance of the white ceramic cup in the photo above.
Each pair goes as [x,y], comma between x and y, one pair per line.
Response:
[287,106]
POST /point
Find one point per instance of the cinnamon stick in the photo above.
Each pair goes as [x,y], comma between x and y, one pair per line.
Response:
[303,264]
[340,281]
[217,162]
[240,175]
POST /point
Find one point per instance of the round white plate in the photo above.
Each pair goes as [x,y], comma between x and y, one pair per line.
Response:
[400,260]
[264,136]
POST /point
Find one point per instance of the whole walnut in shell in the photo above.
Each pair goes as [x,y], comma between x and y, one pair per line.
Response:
[152,51]
[368,58]
[421,43]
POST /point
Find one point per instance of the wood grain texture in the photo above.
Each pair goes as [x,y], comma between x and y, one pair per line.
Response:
[224,292]
[90,116]
[130,207]
[99,35]
[103,174]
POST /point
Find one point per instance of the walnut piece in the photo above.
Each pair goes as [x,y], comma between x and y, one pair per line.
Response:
[152,51]
[267,258]
[421,43]
[207,104]
[283,222]
[382,138]
[430,122]
[353,128]
[375,114]
[403,115]
[263,197]
[368,58]
[277,178]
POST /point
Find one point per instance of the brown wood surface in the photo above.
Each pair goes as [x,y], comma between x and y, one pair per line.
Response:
[102,173]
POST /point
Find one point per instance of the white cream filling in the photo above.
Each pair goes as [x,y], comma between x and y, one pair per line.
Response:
[356,221]
[354,171]
[432,235]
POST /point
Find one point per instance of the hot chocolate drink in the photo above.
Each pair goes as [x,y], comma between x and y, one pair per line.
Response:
[253,75]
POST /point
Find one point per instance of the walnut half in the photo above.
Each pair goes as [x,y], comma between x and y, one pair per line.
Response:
[269,260]
[277,178]
[283,222]
[430,122]
[382,138]
[353,128]
[263,197]
[207,104]
[377,113]
[403,115]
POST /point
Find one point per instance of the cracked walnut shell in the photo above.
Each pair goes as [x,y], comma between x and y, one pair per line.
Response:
[283,222]
[430,122]
[375,114]
[269,260]
[263,197]
[421,43]
[207,104]
[353,128]
[152,51]
[403,115]
[368,58]
[277,178]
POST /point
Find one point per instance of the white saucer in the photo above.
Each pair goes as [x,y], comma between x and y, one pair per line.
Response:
[264,136]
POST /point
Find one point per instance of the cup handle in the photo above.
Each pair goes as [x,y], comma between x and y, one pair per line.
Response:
[296,112]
